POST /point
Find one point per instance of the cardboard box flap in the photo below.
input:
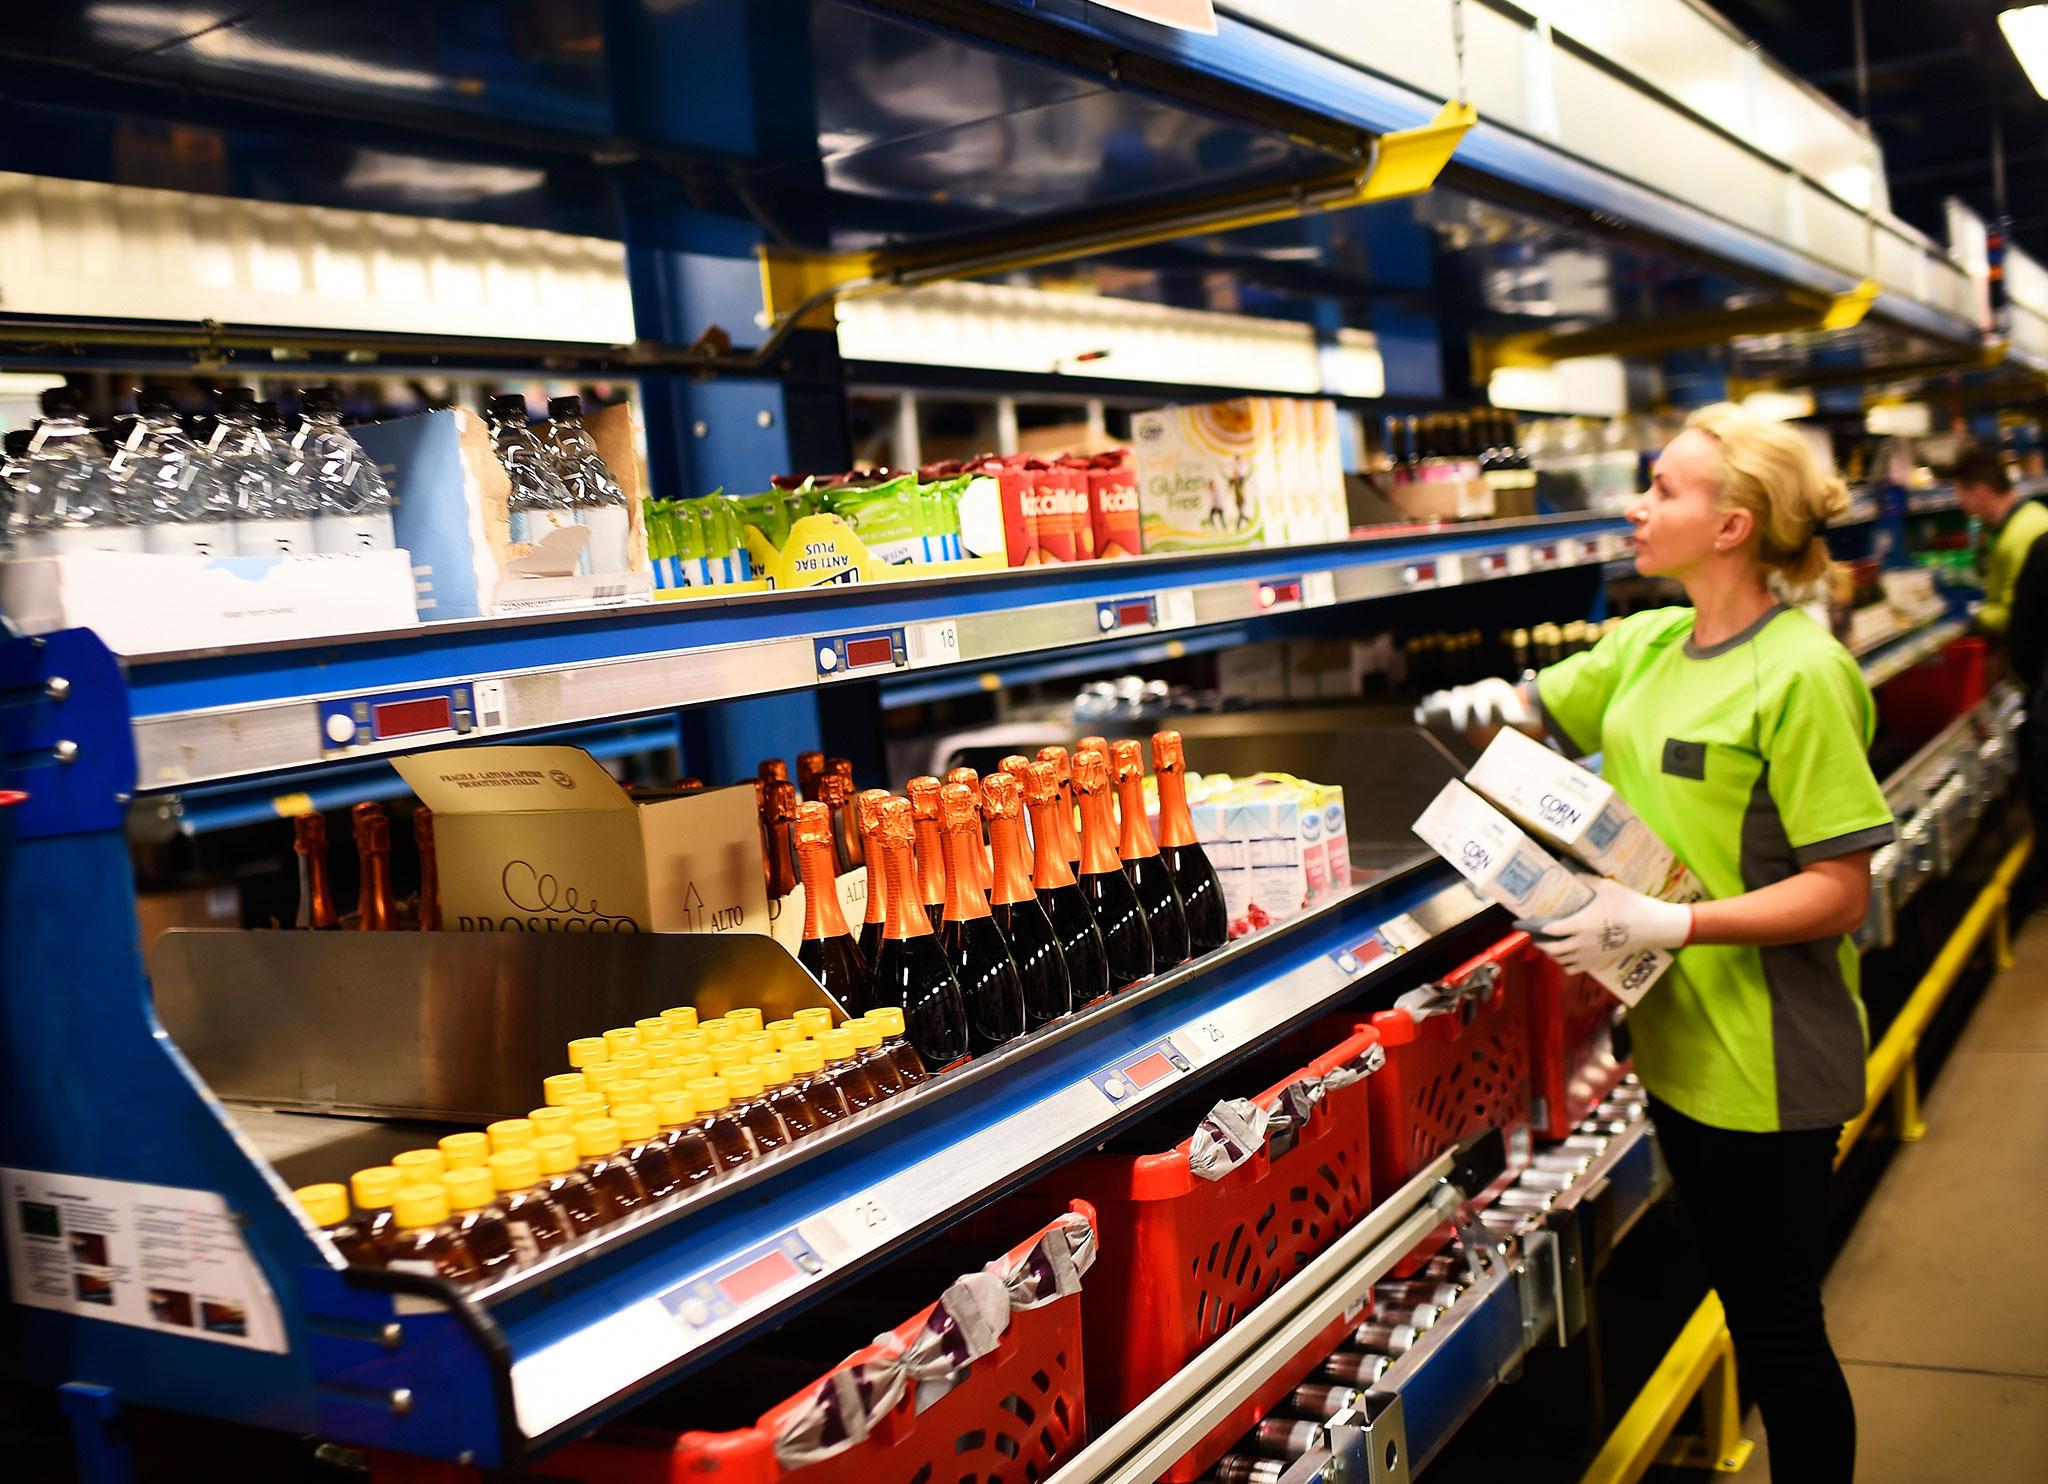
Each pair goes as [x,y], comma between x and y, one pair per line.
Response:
[512,780]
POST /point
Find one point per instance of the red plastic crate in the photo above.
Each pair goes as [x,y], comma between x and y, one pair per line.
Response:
[1017,1414]
[1934,692]
[1184,1258]
[1571,1047]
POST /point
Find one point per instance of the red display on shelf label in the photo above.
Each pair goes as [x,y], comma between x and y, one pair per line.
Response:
[1150,1070]
[409,718]
[1131,615]
[861,652]
[757,1277]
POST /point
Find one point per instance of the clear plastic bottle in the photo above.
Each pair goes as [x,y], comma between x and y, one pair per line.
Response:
[599,502]
[812,1019]
[680,1018]
[854,1084]
[354,507]
[786,1096]
[564,1183]
[751,1110]
[872,1059]
[587,1050]
[516,1174]
[605,1164]
[327,1205]
[622,1038]
[423,1243]
[688,1148]
[274,505]
[66,498]
[476,1217]
[174,484]
[539,503]
[645,1150]
[549,1120]
[510,1133]
[730,1142]
[420,1166]
[374,1190]
[586,1105]
[807,1066]
[465,1151]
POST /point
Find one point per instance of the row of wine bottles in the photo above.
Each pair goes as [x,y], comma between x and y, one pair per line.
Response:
[378,909]
[974,929]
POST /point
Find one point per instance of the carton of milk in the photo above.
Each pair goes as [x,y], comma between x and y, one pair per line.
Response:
[1506,866]
[1578,812]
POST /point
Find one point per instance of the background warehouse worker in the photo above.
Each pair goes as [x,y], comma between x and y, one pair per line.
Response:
[2010,525]
[1738,729]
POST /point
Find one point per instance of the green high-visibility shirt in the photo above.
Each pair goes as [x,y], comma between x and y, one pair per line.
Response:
[2006,547]
[1749,759]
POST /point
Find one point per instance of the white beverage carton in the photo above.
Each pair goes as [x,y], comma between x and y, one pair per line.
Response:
[1580,813]
[1207,476]
[1506,866]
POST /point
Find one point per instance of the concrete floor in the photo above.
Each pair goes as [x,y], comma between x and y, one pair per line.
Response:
[1938,1304]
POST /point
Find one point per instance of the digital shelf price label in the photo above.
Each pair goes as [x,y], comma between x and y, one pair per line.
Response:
[851,656]
[745,1282]
[405,716]
[1141,1071]
[1125,615]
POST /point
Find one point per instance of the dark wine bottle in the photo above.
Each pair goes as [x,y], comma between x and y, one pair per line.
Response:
[1201,894]
[930,859]
[1041,966]
[1073,924]
[911,971]
[984,874]
[1016,766]
[1147,873]
[867,814]
[1119,916]
[828,949]
[974,944]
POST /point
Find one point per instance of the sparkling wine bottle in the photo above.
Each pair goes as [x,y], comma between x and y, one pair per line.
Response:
[984,874]
[1201,894]
[974,945]
[867,818]
[1063,817]
[828,949]
[931,851]
[1120,917]
[1015,765]
[1073,923]
[1041,965]
[911,971]
[1149,878]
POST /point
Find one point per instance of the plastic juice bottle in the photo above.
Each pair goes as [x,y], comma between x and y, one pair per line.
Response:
[846,1074]
[423,1242]
[420,1166]
[628,1063]
[476,1217]
[807,1065]
[328,1206]
[730,1142]
[516,1174]
[586,1050]
[622,1038]
[628,1090]
[719,1030]
[668,1079]
[374,1190]
[680,1018]
[597,1077]
[650,1026]
[562,1086]
[727,1055]
[869,1056]
[645,1150]
[904,1055]
[744,1085]
[688,1148]
[599,1142]
[563,1182]
[586,1105]
[786,1096]
[549,1121]
[813,1018]
[783,1032]
[466,1151]
[746,1020]
[510,1133]
[662,1050]
[691,1043]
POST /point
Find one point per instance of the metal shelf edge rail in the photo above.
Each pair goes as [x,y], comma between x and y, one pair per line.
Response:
[267,709]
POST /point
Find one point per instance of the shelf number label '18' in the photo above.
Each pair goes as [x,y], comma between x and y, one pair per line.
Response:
[934,643]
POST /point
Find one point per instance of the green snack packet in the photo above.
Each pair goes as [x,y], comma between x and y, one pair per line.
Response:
[888,517]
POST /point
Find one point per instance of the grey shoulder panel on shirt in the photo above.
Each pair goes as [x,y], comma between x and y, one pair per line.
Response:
[1855,840]
[1816,1031]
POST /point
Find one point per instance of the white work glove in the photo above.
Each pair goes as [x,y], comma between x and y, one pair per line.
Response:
[1483,704]
[1616,923]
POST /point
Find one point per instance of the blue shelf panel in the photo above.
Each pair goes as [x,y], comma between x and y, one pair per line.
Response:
[577,1340]
[266,710]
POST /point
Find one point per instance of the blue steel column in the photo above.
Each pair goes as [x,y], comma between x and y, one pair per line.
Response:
[734,81]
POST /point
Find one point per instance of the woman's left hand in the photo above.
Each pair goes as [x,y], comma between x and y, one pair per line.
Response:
[1616,923]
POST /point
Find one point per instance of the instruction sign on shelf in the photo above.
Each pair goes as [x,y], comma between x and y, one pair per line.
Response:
[154,1256]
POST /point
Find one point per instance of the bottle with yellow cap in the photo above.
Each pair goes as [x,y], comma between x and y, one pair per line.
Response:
[509,1133]
[588,1051]
[750,1108]
[661,1051]
[422,1242]
[691,1043]
[630,1062]
[466,1151]
[598,1077]
[327,1205]
[563,1085]
[562,1181]
[665,1079]
[902,1054]
[475,1216]
[854,1084]
[730,1143]
[745,1021]
[421,1166]
[649,1027]
[727,1054]
[871,1058]
[782,1032]
[719,1030]
[754,1043]
[528,1209]
[688,1150]
[628,1090]
[585,1105]
[374,1190]
[550,1121]
[605,1166]
[645,1150]
[807,1068]
[813,1018]
[681,1018]
[622,1038]
[786,1096]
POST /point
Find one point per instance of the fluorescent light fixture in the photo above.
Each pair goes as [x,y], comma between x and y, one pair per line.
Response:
[1778,407]
[2026,29]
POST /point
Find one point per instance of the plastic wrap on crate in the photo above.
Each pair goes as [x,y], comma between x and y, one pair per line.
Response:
[988,1379]
[1571,1047]
[1236,1128]
[1184,1257]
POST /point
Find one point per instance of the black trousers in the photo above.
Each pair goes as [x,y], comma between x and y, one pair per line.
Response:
[1756,1207]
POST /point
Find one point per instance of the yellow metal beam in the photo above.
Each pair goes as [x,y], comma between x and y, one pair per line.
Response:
[1642,1437]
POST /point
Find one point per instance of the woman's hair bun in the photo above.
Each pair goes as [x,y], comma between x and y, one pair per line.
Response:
[1770,470]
